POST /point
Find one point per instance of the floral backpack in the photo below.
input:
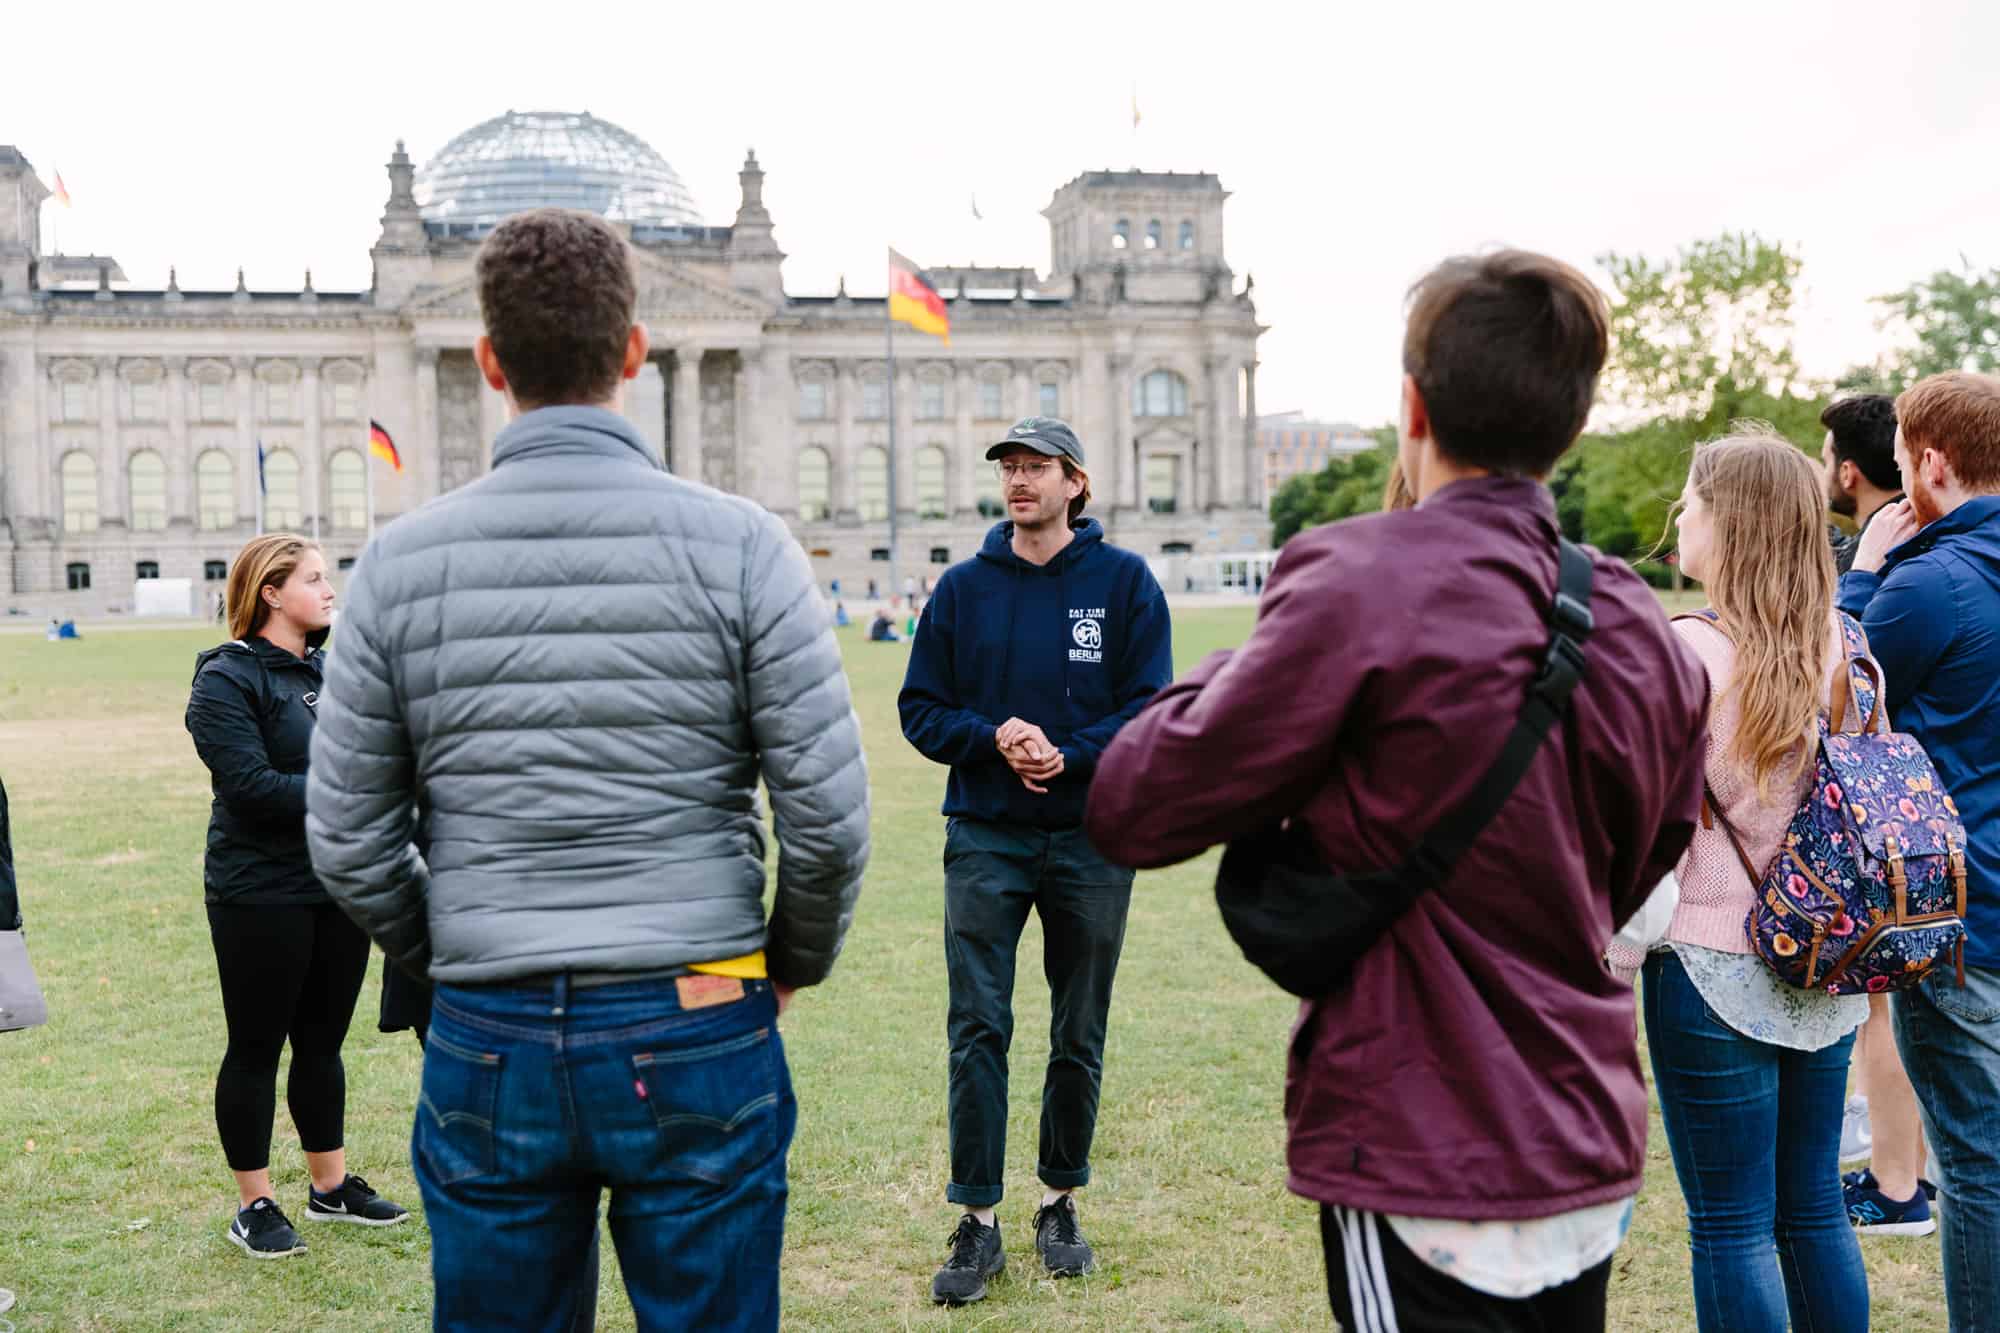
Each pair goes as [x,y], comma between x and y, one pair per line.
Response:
[1867,892]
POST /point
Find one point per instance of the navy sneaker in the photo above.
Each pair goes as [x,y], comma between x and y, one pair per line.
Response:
[353,1202]
[1866,1179]
[263,1232]
[1874,1213]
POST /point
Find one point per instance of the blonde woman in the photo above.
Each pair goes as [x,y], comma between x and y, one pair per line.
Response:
[289,961]
[1752,1072]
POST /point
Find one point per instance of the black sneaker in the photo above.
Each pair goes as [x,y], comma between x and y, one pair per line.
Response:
[975,1256]
[353,1202]
[1060,1242]
[264,1233]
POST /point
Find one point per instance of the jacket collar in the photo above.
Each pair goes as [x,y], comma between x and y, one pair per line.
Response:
[1516,494]
[575,431]
[1980,512]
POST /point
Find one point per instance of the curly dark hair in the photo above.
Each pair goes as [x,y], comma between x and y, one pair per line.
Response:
[1505,348]
[1864,434]
[557,293]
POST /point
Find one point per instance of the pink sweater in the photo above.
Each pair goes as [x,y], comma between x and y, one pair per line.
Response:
[1715,892]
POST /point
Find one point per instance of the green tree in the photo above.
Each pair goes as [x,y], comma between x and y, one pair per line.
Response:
[1343,488]
[1953,318]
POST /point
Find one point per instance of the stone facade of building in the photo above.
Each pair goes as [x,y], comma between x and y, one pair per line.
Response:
[131,421]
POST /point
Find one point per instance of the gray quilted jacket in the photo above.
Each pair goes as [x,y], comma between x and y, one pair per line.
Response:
[577,669]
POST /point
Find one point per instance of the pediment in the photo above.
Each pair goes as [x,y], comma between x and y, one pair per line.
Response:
[668,293]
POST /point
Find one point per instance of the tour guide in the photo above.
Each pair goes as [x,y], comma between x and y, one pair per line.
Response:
[1026,663]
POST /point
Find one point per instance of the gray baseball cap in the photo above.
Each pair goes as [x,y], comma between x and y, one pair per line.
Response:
[1044,435]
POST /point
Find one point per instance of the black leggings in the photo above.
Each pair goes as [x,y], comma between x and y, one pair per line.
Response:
[286,972]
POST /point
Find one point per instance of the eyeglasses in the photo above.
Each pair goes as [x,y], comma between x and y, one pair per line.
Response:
[1033,469]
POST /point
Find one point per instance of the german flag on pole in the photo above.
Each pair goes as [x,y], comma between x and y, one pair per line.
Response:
[384,448]
[914,301]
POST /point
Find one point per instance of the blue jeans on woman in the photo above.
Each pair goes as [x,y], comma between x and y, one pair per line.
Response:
[1755,1133]
[536,1097]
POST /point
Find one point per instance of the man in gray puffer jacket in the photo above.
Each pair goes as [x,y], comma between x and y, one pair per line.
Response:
[578,668]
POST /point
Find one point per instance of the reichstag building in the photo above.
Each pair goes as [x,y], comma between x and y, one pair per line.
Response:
[131,420]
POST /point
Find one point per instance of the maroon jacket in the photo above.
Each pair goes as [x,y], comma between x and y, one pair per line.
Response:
[1482,1063]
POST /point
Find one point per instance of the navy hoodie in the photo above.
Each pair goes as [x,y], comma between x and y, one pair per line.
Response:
[1076,646]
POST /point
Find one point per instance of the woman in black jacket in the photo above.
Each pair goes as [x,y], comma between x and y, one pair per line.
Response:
[290,963]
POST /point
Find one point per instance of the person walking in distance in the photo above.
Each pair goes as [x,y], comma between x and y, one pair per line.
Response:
[1026,662]
[581,668]
[290,962]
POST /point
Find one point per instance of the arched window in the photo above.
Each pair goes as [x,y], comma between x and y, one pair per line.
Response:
[346,488]
[281,491]
[871,484]
[1187,235]
[79,492]
[815,485]
[214,491]
[932,500]
[1160,394]
[1121,235]
[1153,234]
[148,476]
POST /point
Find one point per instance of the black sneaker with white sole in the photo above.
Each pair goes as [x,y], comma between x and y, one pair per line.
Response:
[263,1232]
[1060,1242]
[976,1255]
[353,1202]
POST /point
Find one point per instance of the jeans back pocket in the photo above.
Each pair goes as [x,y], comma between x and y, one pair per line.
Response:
[716,1105]
[455,1110]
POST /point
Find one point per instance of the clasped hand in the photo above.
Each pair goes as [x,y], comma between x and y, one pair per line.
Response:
[1028,752]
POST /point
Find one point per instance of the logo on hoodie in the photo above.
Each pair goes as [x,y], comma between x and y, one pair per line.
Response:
[1086,630]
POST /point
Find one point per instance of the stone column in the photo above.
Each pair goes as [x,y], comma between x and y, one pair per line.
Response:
[646,406]
[1249,488]
[846,497]
[1027,398]
[687,413]
[114,479]
[771,450]
[1127,470]
[427,442]
[492,418]
[963,470]
[1222,447]
[180,454]
[905,461]
[315,496]
[244,384]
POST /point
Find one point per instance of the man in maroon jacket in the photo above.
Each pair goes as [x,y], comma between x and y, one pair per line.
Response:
[1467,1108]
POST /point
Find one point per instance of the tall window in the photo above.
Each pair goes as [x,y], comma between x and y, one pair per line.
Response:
[145,400]
[1153,234]
[79,492]
[874,400]
[281,400]
[214,491]
[346,400]
[1160,394]
[214,395]
[1121,234]
[76,400]
[147,473]
[815,484]
[930,400]
[992,407]
[812,400]
[281,491]
[1049,399]
[79,576]
[1187,235]
[346,489]
[932,501]
[871,484]
[1163,483]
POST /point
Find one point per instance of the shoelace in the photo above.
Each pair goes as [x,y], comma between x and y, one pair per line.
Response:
[1064,1224]
[964,1243]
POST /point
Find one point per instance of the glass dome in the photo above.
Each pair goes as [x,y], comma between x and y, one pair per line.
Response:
[551,159]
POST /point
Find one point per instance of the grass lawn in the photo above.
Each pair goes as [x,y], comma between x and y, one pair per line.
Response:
[114,1195]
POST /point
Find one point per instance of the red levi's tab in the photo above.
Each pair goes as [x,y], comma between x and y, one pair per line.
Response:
[701,992]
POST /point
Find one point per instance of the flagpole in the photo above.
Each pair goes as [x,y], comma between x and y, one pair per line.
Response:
[889,336]
[260,488]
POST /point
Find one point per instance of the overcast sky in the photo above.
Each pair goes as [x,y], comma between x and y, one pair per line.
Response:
[1360,142]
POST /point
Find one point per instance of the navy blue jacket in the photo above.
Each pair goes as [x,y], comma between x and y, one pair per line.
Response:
[1076,646]
[1933,621]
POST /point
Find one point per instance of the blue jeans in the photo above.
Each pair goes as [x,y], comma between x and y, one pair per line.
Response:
[994,874]
[1755,1134]
[1950,1042]
[536,1097]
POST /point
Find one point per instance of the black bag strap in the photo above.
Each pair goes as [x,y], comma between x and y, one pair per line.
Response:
[1431,861]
